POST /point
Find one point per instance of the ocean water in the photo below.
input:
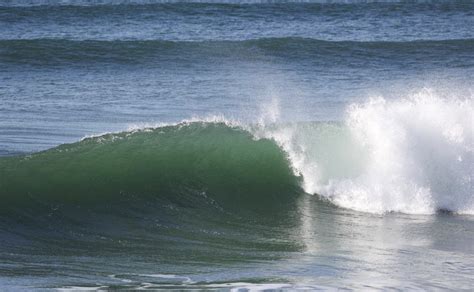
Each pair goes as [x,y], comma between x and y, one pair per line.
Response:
[244,146]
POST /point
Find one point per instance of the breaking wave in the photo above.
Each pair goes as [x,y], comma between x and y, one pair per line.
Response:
[411,155]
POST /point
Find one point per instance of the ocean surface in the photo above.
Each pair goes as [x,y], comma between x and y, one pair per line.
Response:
[227,145]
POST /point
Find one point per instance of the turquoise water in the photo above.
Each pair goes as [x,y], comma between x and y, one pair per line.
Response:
[236,146]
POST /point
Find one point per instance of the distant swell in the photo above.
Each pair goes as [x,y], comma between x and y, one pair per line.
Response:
[28,3]
[65,52]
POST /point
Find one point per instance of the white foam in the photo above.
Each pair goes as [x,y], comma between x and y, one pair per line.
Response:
[413,155]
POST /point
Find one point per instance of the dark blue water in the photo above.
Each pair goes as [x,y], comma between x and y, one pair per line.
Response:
[324,145]
[71,70]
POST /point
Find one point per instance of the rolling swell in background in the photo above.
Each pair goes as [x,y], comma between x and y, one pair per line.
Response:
[54,52]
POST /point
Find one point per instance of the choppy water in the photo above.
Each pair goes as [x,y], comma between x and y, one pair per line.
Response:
[245,145]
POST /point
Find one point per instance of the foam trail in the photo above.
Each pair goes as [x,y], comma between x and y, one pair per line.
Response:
[412,155]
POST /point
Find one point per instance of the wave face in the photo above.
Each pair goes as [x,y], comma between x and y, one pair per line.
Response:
[412,155]
[196,161]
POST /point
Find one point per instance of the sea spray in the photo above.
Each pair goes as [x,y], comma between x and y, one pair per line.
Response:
[420,155]
[411,155]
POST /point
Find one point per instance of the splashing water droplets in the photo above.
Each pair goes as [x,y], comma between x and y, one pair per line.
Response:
[415,155]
